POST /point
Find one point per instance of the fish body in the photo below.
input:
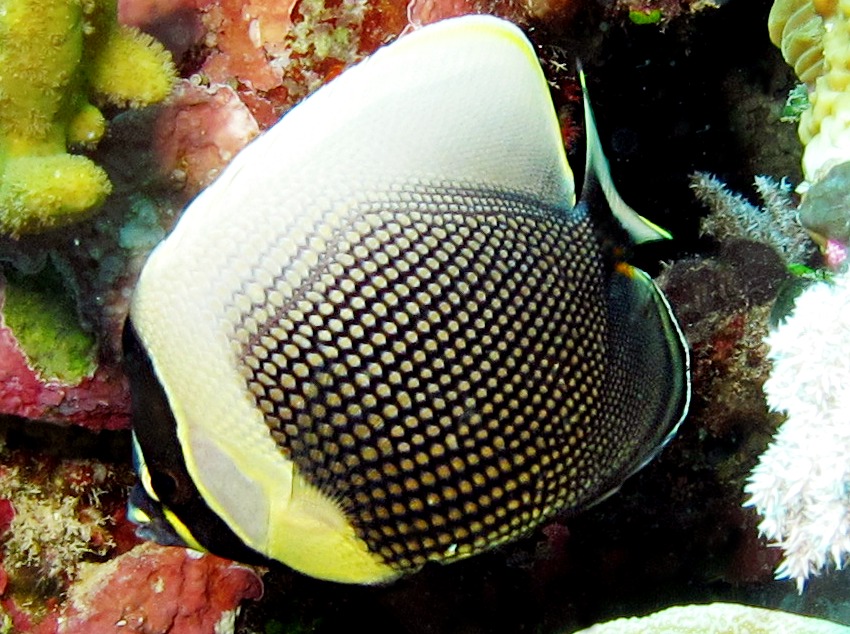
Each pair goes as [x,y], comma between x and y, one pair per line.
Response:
[388,335]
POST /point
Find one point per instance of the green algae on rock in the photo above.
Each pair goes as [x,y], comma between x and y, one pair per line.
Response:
[43,318]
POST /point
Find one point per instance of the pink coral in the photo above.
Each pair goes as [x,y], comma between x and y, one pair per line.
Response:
[200,131]
[835,254]
[143,13]
[423,12]
[157,589]
[175,23]
[247,37]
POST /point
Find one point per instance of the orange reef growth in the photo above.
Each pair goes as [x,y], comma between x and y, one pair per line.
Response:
[274,53]
[245,64]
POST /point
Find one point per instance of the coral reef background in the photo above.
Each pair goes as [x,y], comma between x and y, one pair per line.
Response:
[680,87]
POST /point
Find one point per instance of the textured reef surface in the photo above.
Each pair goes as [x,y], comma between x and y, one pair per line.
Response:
[698,103]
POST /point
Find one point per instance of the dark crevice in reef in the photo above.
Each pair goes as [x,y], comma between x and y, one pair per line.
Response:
[71,443]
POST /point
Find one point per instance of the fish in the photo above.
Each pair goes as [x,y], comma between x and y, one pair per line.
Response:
[389,335]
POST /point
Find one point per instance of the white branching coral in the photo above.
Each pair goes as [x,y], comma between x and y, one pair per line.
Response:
[801,485]
[733,217]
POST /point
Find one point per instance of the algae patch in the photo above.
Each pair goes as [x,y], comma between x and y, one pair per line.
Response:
[43,318]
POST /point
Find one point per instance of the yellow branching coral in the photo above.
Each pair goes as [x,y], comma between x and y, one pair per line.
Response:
[56,57]
[814,36]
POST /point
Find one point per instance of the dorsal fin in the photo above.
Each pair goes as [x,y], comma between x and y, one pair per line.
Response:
[597,178]
[464,99]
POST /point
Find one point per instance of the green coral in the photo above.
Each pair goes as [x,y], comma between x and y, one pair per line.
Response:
[317,32]
[57,56]
[44,320]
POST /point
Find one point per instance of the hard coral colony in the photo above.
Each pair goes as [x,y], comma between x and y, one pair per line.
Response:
[57,57]
[813,36]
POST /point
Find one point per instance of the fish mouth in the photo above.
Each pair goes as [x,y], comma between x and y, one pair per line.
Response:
[149,518]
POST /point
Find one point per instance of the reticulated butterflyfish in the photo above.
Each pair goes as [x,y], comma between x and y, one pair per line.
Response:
[388,334]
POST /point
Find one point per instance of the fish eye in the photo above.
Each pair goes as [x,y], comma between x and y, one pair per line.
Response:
[165,485]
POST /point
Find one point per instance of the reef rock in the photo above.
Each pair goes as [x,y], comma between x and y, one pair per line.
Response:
[157,589]
[718,618]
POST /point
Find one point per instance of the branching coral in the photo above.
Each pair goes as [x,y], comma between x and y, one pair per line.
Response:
[733,217]
[801,486]
[57,57]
